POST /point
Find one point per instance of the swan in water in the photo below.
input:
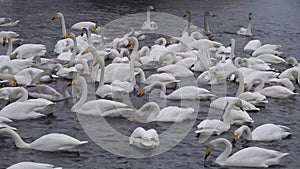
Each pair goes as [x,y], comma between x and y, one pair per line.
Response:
[149,25]
[24,109]
[99,107]
[29,50]
[246,31]
[265,132]
[185,92]
[267,49]
[32,165]
[5,22]
[292,61]
[252,45]
[216,126]
[247,157]
[177,71]
[144,139]
[271,58]
[271,91]
[50,142]
[167,114]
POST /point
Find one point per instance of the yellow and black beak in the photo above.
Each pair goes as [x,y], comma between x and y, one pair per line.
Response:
[65,36]
[85,51]
[141,93]
[129,43]
[55,17]
[4,41]
[247,89]
[207,152]
[169,42]
[72,83]
[235,139]
[94,30]
[15,83]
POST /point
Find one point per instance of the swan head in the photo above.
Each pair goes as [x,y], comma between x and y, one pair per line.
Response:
[69,35]
[57,15]
[250,16]
[150,7]
[209,14]
[142,93]
[187,13]
[210,147]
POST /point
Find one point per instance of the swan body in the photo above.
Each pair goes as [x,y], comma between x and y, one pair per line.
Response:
[176,70]
[5,22]
[265,132]
[267,49]
[255,98]
[282,82]
[252,45]
[49,142]
[267,75]
[81,25]
[185,92]
[167,114]
[213,126]
[29,50]
[32,165]
[247,157]
[270,58]
[46,92]
[144,139]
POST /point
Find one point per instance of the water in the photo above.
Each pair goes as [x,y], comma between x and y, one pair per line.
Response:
[274,22]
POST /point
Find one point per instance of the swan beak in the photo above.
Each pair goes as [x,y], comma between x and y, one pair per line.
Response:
[129,43]
[94,29]
[169,42]
[38,82]
[235,139]
[73,82]
[54,17]
[207,152]
[134,117]
[3,41]
[218,78]
[85,51]
[247,90]
[141,93]
[15,83]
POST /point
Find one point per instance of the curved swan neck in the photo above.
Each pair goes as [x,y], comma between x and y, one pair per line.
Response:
[133,57]
[124,52]
[24,94]
[38,77]
[247,131]
[241,82]
[85,65]
[87,32]
[161,40]
[142,74]
[172,60]
[259,87]
[162,88]
[223,156]
[74,52]
[6,67]
[83,97]
[228,107]
[16,137]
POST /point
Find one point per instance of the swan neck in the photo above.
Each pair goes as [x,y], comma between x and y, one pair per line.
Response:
[162,88]
[63,25]
[247,131]
[228,148]
[84,91]
[228,108]
[102,65]
[260,86]
[148,15]
[232,55]
[142,74]
[24,94]
[6,67]
[74,52]
[85,66]
[206,27]
[10,47]
[241,83]
[17,139]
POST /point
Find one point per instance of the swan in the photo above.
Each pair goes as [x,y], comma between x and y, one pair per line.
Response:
[215,126]
[50,142]
[4,120]
[267,49]
[63,24]
[292,61]
[148,25]
[24,109]
[46,92]
[185,92]
[246,31]
[206,26]
[272,91]
[32,165]
[265,132]
[292,73]
[169,80]
[252,45]
[144,139]
[4,22]
[29,50]
[270,58]
[176,70]
[204,34]
[283,82]
[266,75]
[100,107]
[247,157]
[167,114]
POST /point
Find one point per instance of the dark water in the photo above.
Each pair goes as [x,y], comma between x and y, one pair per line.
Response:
[274,22]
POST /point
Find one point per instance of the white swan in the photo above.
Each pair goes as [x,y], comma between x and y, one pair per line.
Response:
[252,45]
[247,157]
[63,24]
[23,108]
[271,58]
[4,22]
[246,31]
[265,132]
[49,142]
[29,50]
[32,165]
[292,61]
[99,107]
[144,139]
[283,82]
[267,49]
[176,70]
[271,91]
[185,92]
[149,25]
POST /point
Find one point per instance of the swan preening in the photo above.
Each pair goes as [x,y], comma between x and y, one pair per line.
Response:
[247,157]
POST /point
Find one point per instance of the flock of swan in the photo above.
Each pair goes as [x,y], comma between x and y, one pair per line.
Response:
[25,71]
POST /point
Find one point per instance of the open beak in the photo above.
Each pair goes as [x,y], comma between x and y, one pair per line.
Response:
[141,93]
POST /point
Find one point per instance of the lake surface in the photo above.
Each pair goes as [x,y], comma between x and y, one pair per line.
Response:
[274,22]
